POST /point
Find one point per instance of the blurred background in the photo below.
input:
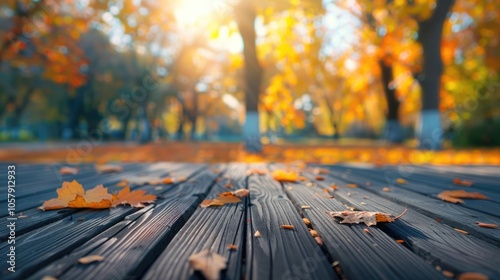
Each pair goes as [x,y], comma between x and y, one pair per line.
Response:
[315,71]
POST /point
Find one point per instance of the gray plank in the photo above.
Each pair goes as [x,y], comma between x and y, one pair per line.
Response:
[48,243]
[131,250]
[210,228]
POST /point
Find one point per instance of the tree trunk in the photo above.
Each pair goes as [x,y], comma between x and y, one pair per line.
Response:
[246,13]
[392,131]
[430,31]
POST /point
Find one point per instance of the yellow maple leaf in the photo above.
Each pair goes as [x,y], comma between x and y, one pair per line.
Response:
[134,198]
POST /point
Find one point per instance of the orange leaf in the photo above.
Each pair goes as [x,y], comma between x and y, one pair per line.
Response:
[472,276]
[65,194]
[284,176]
[369,218]
[485,225]
[134,198]
[80,202]
[456,195]
[228,197]
[211,202]
[460,182]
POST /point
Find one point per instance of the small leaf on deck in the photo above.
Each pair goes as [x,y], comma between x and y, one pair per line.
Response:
[456,195]
[90,259]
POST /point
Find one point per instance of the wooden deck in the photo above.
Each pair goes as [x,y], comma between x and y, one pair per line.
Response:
[155,242]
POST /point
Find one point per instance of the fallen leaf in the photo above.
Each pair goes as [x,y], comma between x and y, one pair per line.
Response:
[241,192]
[319,178]
[352,185]
[229,185]
[333,187]
[133,198]
[465,183]
[211,202]
[447,273]
[68,170]
[485,225]
[461,231]
[287,227]
[307,222]
[366,230]
[369,218]
[305,207]
[472,276]
[167,180]
[48,277]
[386,189]
[108,168]
[321,171]
[210,264]
[318,240]
[284,176]
[232,247]
[257,234]
[228,197]
[456,195]
[90,259]
[401,181]
[65,194]
[400,241]
[123,183]
[301,178]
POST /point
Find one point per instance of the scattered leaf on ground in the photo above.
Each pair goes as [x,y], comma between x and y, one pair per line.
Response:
[256,171]
[369,218]
[287,227]
[232,247]
[447,273]
[228,197]
[386,189]
[241,192]
[352,185]
[318,240]
[366,230]
[314,233]
[401,181]
[333,187]
[284,176]
[210,264]
[133,198]
[456,195]
[321,171]
[305,207]
[68,170]
[90,259]
[400,241]
[319,178]
[307,222]
[460,182]
[48,277]
[257,234]
[485,225]
[211,202]
[108,168]
[123,183]
[461,231]
[472,276]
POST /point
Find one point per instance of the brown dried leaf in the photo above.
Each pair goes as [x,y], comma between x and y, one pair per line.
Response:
[460,182]
[210,264]
[386,189]
[485,225]
[401,181]
[241,192]
[108,168]
[472,276]
[133,198]
[228,197]
[456,195]
[369,218]
[211,202]
[287,227]
[90,259]
[321,171]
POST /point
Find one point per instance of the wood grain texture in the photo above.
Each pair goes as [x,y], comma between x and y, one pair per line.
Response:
[213,229]
[280,253]
[133,249]
[451,214]
[361,255]
[48,243]
[431,240]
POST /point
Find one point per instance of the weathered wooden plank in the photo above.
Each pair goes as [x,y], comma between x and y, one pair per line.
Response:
[448,213]
[361,255]
[63,236]
[131,250]
[279,253]
[210,228]
[34,218]
[440,244]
